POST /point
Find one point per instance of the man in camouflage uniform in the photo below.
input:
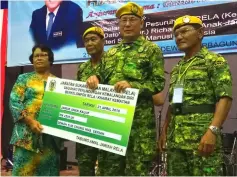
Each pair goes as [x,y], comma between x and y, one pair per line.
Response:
[133,63]
[94,44]
[200,99]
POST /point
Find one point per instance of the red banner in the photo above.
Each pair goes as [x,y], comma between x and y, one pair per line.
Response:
[3,51]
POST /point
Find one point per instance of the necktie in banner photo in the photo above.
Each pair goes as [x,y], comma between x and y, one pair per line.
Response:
[50,24]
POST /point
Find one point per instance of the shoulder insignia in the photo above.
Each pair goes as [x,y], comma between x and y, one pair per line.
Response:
[112,51]
[219,63]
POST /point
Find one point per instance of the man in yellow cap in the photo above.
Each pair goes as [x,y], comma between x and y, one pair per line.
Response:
[94,43]
[133,63]
[200,98]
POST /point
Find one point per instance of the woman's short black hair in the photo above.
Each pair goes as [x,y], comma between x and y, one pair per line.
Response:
[44,48]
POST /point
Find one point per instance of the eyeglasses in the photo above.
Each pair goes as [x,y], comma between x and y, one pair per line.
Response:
[93,39]
[183,32]
[123,21]
[41,55]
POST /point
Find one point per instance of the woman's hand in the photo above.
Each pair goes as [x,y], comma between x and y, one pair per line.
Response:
[34,125]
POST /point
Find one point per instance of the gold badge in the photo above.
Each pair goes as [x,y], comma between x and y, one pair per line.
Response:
[219,63]
[112,51]
[134,9]
[186,19]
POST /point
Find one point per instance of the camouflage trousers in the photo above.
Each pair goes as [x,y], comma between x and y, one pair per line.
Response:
[133,164]
[141,148]
[86,157]
[189,163]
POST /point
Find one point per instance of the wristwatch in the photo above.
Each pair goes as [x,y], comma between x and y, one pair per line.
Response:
[214,129]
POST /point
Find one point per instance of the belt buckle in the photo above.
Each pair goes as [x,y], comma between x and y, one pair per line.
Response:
[178,110]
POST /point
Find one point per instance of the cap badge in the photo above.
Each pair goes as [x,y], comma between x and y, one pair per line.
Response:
[186,19]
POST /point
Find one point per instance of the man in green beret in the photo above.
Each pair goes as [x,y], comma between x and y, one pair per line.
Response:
[133,63]
[200,96]
[94,43]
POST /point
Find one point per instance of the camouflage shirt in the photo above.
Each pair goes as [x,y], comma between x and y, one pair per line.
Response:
[206,80]
[140,63]
[85,70]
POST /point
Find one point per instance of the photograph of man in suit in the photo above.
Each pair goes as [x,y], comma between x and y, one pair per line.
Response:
[57,23]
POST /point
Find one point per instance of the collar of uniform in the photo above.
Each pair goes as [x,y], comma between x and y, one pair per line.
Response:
[103,55]
[90,63]
[138,41]
[200,54]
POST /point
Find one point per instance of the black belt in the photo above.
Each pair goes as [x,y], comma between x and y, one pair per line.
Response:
[179,109]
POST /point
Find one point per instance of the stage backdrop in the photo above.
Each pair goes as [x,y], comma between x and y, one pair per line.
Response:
[27,25]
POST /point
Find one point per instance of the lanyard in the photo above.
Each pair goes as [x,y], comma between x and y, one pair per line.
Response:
[181,75]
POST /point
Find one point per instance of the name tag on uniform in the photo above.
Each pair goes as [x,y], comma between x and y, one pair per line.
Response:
[57,34]
[178,94]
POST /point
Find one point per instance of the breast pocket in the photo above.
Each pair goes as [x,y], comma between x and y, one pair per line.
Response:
[137,69]
[196,81]
[109,64]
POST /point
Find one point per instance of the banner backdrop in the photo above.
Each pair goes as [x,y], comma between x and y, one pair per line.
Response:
[28,24]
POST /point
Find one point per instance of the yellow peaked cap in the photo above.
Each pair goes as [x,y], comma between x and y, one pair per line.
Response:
[184,20]
[130,8]
[94,29]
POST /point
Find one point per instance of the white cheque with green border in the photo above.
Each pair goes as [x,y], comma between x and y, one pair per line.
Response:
[100,118]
